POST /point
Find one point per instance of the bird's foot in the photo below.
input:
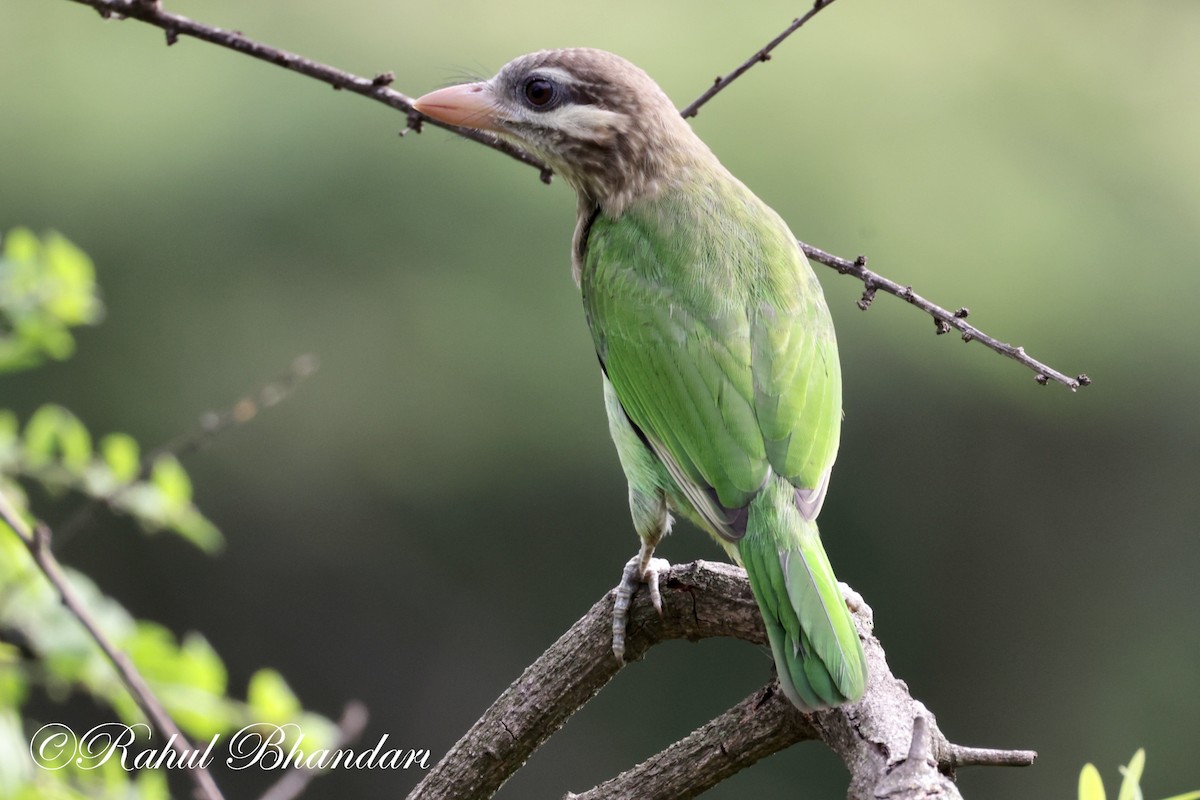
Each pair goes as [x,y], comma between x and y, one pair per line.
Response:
[639,570]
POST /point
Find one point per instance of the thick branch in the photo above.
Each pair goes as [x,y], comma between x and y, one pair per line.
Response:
[715,603]
[700,600]
[37,540]
[762,724]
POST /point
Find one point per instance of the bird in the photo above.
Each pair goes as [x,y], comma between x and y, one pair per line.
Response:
[720,368]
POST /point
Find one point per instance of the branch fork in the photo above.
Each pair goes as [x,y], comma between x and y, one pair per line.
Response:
[703,600]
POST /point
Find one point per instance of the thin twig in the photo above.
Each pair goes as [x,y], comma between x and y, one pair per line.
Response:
[293,783]
[377,88]
[960,756]
[761,56]
[943,319]
[37,540]
[212,424]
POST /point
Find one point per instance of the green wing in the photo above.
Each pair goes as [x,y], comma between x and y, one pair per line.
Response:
[715,336]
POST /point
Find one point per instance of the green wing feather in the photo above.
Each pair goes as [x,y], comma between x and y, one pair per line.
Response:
[718,345]
[715,335]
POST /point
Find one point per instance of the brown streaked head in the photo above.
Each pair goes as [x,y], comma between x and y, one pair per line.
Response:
[598,120]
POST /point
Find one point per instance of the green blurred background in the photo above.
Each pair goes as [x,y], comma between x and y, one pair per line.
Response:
[441,501]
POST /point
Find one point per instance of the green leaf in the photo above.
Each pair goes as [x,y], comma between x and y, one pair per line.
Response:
[1130,788]
[74,441]
[21,245]
[120,453]
[46,287]
[195,527]
[54,434]
[169,477]
[73,300]
[189,679]
[9,440]
[8,426]
[1188,796]
[13,683]
[1091,787]
[270,698]
[41,433]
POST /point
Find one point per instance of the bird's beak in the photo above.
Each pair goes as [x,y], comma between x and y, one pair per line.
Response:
[470,105]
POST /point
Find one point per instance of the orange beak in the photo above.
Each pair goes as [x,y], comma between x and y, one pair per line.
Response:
[469,105]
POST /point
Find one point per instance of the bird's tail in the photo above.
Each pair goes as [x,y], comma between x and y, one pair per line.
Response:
[817,652]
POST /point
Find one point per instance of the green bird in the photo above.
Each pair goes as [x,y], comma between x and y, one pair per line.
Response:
[721,374]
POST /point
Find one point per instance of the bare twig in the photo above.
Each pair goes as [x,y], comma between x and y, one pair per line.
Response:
[212,424]
[37,540]
[944,319]
[378,88]
[293,782]
[761,56]
[700,600]
[958,756]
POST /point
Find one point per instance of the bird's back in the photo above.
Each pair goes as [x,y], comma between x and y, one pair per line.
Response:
[716,337]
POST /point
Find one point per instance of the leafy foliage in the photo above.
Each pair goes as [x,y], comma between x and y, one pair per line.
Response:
[46,287]
[1091,787]
[56,451]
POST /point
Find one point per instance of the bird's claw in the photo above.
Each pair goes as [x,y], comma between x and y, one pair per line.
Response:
[631,577]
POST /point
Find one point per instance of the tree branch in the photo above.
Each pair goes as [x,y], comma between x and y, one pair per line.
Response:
[295,781]
[943,320]
[702,600]
[377,88]
[762,56]
[37,540]
[762,724]
[212,424]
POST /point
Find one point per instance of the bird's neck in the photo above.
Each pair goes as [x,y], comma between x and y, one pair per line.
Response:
[700,180]
[639,168]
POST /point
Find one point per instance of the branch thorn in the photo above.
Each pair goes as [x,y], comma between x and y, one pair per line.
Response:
[414,121]
[868,296]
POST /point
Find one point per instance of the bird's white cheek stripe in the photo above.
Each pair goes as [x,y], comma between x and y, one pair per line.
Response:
[586,122]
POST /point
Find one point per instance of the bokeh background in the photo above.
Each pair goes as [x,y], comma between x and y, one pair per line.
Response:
[430,511]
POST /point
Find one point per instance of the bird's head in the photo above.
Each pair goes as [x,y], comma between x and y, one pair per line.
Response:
[596,119]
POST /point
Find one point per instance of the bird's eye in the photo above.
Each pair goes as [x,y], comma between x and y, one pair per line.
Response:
[540,92]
